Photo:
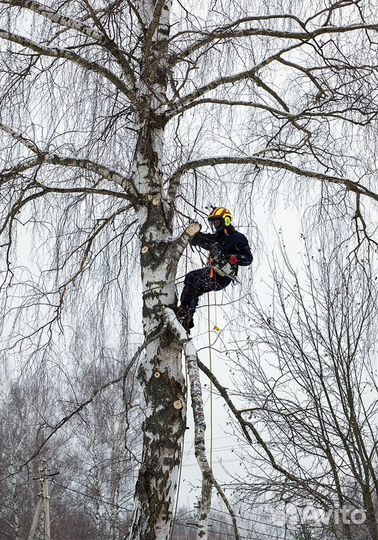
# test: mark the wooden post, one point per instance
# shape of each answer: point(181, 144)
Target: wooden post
point(43, 505)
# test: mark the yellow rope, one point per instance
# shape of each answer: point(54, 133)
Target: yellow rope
point(211, 384)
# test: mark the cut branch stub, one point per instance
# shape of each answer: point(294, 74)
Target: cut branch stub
point(193, 229)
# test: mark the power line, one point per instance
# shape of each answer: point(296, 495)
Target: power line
point(94, 497)
point(223, 533)
point(233, 460)
point(245, 528)
point(218, 448)
point(177, 522)
point(246, 519)
point(262, 522)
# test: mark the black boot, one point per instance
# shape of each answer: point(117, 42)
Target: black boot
point(188, 323)
point(184, 316)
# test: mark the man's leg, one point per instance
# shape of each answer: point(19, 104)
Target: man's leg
point(189, 297)
point(197, 283)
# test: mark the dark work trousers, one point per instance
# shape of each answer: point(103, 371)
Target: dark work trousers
point(199, 282)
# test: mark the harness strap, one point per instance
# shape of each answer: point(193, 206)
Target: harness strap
point(210, 262)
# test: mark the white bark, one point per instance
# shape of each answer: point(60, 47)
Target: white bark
point(115, 483)
point(164, 389)
point(97, 488)
point(48, 13)
point(208, 479)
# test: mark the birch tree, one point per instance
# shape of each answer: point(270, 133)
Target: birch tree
point(116, 119)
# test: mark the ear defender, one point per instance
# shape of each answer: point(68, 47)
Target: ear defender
point(227, 221)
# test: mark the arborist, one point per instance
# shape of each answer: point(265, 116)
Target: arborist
point(228, 249)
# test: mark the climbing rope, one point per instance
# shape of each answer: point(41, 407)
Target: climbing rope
point(183, 440)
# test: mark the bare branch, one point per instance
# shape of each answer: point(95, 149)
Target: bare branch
point(95, 392)
point(66, 54)
point(180, 243)
point(85, 164)
point(303, 37)
point(247, 426)
point(112, 47)
point(29, 144)
point(350, 185)
point(55, 17)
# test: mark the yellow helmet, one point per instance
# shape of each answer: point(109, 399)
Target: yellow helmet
point(221, 213)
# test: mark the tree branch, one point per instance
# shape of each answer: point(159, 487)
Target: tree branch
point(179, 244)
point(247, 427)
point(278, 113)
point(65, 54)
point(95, 392)
point(112, 47)
point(28, 143)
point(55, 17)
point(304, 36)
point(350, 185)
point(232, 79)
point(85, 164)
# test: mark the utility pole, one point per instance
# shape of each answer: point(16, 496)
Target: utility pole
point(43, 505)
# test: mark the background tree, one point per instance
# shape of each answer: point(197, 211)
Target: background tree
point(111, 132)
point(94, 453)
point(310, 384)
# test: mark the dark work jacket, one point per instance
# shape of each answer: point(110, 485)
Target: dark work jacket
point(222, 245)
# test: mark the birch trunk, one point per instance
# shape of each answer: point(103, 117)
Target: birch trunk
point(161, 378)
point(208, 479)
point(160, 373)
point(97, 493)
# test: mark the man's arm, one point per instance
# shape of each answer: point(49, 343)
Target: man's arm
point(203, 240)
point(242, 254)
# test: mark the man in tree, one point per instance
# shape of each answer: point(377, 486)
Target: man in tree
point(228, 248)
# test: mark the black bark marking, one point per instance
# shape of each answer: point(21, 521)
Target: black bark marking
point(163, 429)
